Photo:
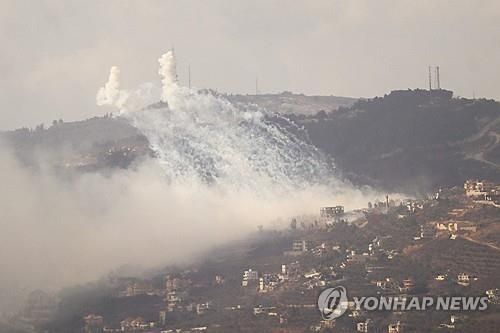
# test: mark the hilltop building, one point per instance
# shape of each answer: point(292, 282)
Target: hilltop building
point(249, 276)
point(93, 324)
point(332, 214)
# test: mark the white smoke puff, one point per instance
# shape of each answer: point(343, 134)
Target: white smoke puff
point(111, 94)
point(168, 73)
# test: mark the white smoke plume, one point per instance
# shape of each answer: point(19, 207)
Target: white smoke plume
point(219, 171)
point(111, 94)
point(60, 232)
point(168, 73)
point(203, 140)
point(200, 138)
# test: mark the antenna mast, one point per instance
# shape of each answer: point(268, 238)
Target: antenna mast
point(430, 79)
point(437, 77)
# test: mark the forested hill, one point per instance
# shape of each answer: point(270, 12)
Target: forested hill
point(408, 140)
point(412, 140)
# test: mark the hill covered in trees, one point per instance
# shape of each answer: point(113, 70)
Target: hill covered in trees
point(408, 140)
point(411, 140)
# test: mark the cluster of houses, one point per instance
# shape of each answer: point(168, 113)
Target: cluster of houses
point(175, 293)
point(483, 191)
point(296, 273)
point(493, 296)
point(454, 225)
point(267, 282)
point(463, 279)
point(95, 324)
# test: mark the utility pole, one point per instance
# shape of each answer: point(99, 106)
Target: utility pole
point(173, 55)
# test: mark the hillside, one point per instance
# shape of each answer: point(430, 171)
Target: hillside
point(410, 141)
point(461, 254)
point(290, 103)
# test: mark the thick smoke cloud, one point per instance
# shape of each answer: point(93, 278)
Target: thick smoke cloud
point(202, 137)
point(111, 94)
point(58, 232)
point(168, 73)
point(220, 170)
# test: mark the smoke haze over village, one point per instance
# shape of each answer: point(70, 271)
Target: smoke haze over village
point(236, 166)
point(75, 228)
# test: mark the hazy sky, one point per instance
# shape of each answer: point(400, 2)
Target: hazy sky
point(56, 54)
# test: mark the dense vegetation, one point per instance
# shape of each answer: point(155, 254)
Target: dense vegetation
point(410, 140)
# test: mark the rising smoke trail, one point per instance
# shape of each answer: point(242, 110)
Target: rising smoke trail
point(220, 170)
point(111, 94)
point(203, 138)
point(228, 168)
